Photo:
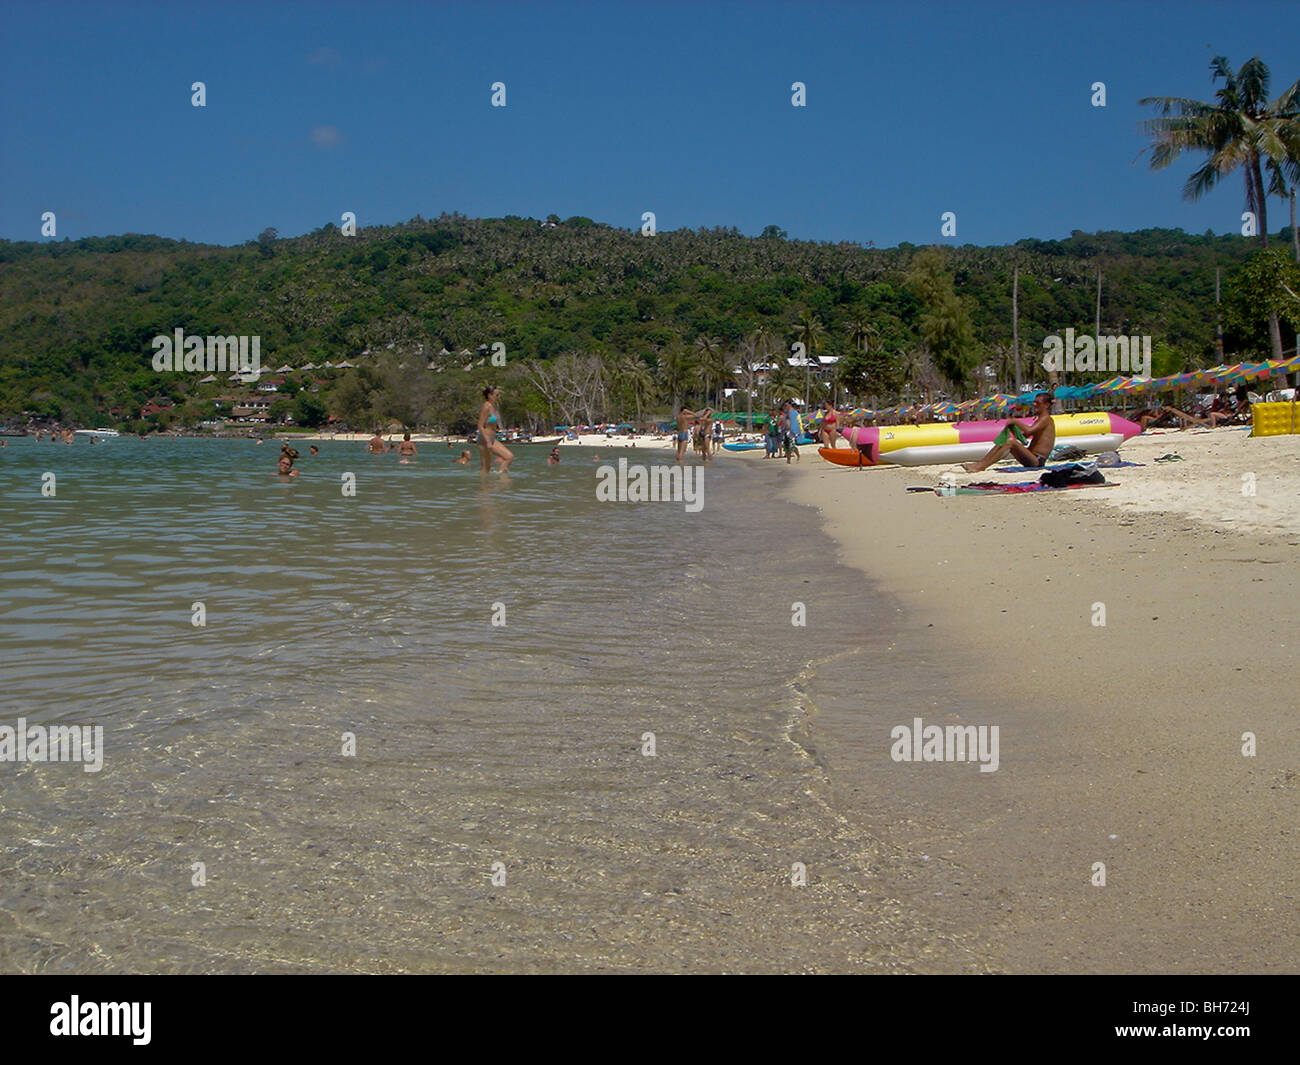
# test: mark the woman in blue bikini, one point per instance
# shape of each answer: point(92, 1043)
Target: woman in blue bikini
point(488, 421)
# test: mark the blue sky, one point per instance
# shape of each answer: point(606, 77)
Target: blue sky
point(613, 109)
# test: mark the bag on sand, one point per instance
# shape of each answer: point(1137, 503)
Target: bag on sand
point(1069, 475)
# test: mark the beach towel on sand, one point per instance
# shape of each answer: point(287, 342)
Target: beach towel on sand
point(992, 488)
point(1039, 469)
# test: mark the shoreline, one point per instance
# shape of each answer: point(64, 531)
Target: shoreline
point(584, 440)
point(1117, 746)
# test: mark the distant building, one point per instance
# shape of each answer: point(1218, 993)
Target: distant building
point(244, 408)
point(156, 406)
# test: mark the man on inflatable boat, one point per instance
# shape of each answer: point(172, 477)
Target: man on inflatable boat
point(1042, 436)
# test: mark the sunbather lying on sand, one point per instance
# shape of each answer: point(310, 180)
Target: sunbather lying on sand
point(1168, 415)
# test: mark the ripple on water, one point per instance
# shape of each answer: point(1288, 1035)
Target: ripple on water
point(475, 742)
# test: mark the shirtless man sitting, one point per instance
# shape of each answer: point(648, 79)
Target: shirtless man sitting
point(1042, 436)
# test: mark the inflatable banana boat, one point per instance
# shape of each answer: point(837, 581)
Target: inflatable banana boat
point(939, 442)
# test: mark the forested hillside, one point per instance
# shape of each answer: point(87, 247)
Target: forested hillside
point(664, 316)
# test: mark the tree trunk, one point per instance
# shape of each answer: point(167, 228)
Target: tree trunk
point(1255, 187)
point(1295, 234)
point(1015, 327)
point(1218, 312)
point(1097, 333)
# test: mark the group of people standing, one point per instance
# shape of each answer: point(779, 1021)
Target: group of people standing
point(703, 428)
point(784, 431)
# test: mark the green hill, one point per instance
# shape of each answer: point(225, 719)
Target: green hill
point(77, 317)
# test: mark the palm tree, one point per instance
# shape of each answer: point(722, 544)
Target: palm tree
point(631, 374)
point(861, 333)
point(1242, 130)
point(746, 359)
point(919, 370)
point(808, 330)
point(783, 382)
point(676, 368)
point(711, 366)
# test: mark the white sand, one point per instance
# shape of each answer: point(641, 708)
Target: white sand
point(1123, 743)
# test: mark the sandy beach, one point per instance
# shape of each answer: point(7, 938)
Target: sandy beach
point(1122, 743)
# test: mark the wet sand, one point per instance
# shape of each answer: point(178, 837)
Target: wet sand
point(1120, 744)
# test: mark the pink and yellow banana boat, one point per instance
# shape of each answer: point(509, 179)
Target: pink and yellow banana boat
point(942, 442)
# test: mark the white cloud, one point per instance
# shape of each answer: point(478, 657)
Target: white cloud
point(326, 136)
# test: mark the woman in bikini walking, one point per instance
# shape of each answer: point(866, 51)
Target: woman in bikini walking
point(830, 420)
point(488, 421)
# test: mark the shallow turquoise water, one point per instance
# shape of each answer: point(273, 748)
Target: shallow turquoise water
point(520, 744)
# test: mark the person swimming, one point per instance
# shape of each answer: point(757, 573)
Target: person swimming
point(488, 422)
point(284, 468)
point(376, 445)
point(553, 459)
point(406, 449)
point(463, 460)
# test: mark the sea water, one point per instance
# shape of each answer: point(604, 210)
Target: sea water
point(451, 722)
